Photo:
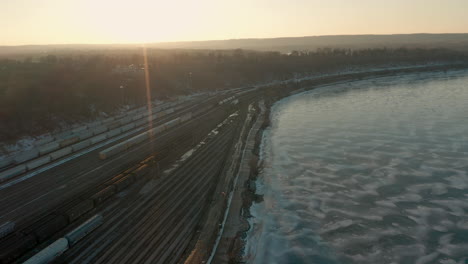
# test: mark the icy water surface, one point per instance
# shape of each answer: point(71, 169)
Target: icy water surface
point(366, 172)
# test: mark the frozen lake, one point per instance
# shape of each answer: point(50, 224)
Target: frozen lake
point(366, 172)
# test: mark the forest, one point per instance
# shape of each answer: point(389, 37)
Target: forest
point(48, 91)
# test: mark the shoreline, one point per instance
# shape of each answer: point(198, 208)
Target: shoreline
point(236, 251)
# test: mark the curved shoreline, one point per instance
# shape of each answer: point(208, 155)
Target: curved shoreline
point(250, 194)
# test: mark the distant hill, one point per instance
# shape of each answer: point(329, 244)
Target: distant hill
point(450, 41)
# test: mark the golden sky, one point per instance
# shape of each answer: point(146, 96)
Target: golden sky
point(136, 21)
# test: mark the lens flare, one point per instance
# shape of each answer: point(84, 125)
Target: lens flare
point(148, 96)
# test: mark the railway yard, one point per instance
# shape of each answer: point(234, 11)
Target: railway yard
point(147, 187)
point(87, 206)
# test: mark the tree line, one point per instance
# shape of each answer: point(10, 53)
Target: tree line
point(45, 92)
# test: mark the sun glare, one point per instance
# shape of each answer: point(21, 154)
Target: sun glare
point(138, 21)
point(142, 21)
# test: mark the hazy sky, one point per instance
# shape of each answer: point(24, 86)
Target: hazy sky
point(132, 21)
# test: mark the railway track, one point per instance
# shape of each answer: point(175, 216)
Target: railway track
point(24, 200)
point(43, 200)
point(85, 184)
point(154, 227)
point(157, 227)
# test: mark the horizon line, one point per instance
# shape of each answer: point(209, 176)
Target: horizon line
point(231, 39)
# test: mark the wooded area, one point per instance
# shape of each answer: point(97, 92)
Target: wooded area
point(42, 93)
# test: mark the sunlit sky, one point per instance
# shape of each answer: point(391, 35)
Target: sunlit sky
point(135, 21)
